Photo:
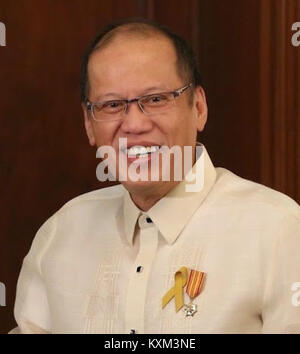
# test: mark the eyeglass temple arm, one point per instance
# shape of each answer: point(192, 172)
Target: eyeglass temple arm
point(180, 91)
point(88, 105)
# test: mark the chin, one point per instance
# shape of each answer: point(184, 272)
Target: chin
point(140, 186)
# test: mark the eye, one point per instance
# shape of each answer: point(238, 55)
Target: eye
point(155, 100)
point(112, 106)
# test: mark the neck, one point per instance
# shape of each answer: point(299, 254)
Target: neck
point(151, 196)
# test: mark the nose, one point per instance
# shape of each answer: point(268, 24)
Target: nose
point(135, 121)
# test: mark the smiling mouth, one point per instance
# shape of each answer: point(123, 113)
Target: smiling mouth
point(140, 151)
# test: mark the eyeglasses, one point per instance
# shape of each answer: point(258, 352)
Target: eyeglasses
point(149, 104)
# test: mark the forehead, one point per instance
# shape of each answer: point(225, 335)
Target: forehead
point(132, 58)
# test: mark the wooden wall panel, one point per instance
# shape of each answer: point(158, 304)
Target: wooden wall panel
point(279, 93)
point(229, 60)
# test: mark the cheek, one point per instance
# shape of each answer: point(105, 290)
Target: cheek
point(184, 128)
point(105, 133)
point(176, 128)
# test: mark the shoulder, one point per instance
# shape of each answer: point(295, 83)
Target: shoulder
point(108, 196)
point(99, 205)
point(91, 206)
point(263, 219)
point(100, 202)
point(254, 197)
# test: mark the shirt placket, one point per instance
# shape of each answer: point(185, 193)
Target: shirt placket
point(140, 272)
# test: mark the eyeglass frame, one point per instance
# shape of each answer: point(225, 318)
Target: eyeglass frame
point(175, 93)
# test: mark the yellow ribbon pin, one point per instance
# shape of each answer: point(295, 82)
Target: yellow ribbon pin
point(177, 290)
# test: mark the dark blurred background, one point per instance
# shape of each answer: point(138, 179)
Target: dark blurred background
point(251, 76)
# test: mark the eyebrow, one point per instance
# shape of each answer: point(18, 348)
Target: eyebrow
point(143, 93)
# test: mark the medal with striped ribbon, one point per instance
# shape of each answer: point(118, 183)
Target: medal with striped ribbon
point(193, 288)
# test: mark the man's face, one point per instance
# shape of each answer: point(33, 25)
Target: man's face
point(130, 67)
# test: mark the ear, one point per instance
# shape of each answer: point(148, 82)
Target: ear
point(88, 125)
point(200, 107)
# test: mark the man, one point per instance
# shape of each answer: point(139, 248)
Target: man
point(152, 255)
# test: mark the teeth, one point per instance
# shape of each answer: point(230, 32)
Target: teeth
point(141, 150)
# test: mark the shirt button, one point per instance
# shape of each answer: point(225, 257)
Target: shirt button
point(145, 221)
point(139, 269)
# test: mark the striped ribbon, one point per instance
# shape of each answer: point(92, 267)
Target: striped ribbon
point(194, 283)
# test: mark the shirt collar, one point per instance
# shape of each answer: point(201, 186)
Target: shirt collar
point(171, 213)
